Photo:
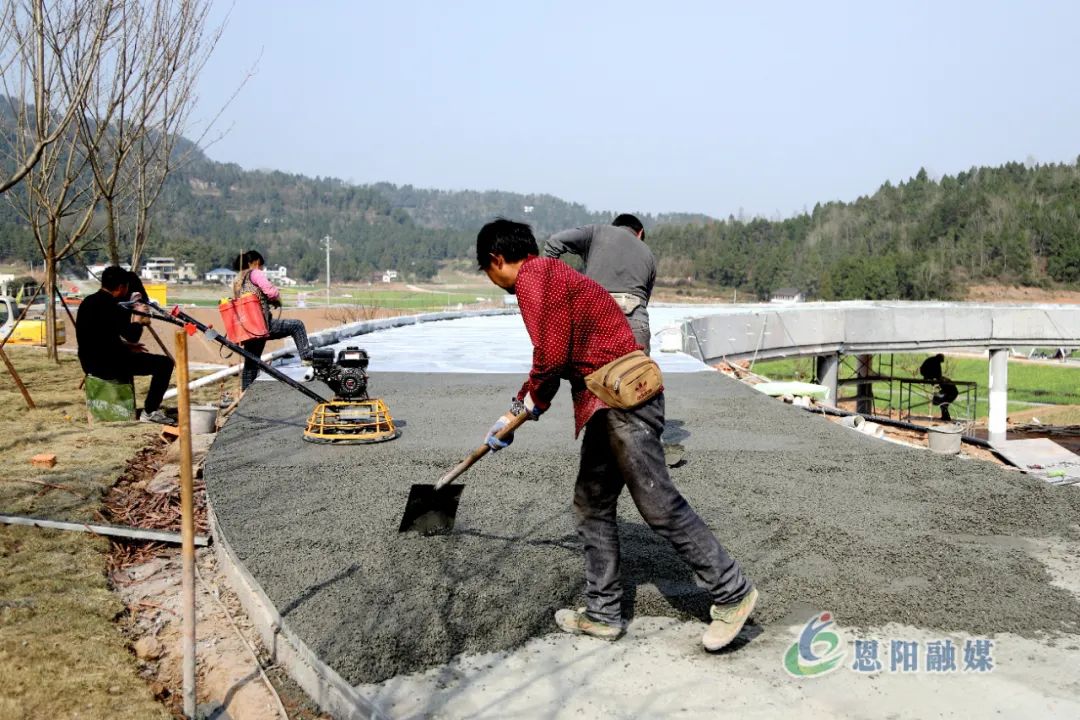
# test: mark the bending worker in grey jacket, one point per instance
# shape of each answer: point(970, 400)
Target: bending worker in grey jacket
point(617, 257)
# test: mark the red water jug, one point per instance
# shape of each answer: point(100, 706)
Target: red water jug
point(243, 318)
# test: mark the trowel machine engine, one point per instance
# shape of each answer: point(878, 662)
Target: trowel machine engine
point(351, 417)
point(344, 372)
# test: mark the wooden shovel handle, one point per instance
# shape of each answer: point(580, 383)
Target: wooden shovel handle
point(481, 451)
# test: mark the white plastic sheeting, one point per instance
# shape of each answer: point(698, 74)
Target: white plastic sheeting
point(497, 344)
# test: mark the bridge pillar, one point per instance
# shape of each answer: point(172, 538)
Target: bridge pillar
point(828, 367)
point(999, 393)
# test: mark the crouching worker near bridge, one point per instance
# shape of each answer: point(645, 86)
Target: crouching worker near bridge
point(109, 347)
point(576, 328)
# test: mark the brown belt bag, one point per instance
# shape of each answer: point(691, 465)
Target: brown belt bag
point(626, 382)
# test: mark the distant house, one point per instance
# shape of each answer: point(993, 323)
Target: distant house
point(159, 269)
point(93, 272)
point(221, 275)
point(528, 208)
point(186, 272)
point(279, 276)
point(389, 276)
point(787, 296)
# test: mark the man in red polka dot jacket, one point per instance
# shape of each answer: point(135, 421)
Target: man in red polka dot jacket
point(576, 328)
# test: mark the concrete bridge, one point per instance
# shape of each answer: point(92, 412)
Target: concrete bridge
point(828, 330)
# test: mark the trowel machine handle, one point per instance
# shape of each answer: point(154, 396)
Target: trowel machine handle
point(518, 420)
point(178, 317)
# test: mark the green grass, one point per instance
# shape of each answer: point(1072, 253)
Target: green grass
point(368, 297)
point(1029, 384)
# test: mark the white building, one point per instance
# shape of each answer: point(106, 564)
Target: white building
point(279, 276)
point(225, 276)
point(787, 296)
point(159, 269)
point(93, 272)
point(390, 276)
point(187, 272)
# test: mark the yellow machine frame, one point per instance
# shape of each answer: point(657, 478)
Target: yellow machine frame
point(349, 422)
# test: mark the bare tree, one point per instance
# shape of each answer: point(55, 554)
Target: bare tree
point(134, 118)
point(120, 76)
point(57, 196)
point(30, 39)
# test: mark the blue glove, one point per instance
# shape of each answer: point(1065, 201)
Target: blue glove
point(495, 443)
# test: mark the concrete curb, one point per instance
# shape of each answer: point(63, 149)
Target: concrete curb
point(321, 682)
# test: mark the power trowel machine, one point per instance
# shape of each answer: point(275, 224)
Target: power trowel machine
point(351, 417)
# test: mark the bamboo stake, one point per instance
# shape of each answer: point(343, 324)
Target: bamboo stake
point(187, 527)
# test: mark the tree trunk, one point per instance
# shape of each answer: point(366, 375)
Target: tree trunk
point(50, 306)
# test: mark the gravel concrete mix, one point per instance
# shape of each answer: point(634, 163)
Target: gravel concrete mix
point(817, 514)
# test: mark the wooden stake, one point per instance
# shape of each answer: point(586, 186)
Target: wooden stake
point(187, 526)
point(18, 380)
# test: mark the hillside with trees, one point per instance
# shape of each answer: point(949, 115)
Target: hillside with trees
point(920, 239)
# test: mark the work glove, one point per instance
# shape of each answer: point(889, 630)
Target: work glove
point(516, 408)
point(495, 443)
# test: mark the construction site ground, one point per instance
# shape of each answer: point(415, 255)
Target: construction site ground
point(895, 542)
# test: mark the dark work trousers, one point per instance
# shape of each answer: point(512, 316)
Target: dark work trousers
point(639, 325)
point(622, 448)
point(279, 328)
point(158, 367)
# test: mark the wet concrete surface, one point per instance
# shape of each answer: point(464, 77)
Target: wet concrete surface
point(817, 515)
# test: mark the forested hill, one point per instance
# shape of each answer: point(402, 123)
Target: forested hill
point(210, 211)
point(920, 239)
point(469, 209)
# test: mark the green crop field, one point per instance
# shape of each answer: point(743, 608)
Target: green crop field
point(345, 295)
point(1030, 383)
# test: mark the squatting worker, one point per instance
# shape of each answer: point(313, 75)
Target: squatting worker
point(109, 347)
point(617, 257)
point(576, 327)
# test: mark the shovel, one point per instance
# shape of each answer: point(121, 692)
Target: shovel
point(430, 509)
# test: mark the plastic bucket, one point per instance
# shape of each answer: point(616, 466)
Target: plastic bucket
point(243, 318)
point(945, 439)
point(203, 419)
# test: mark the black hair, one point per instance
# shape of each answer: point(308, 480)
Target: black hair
point(243, 260)
point(113, 277)
point(627, 220)
point(513, 240)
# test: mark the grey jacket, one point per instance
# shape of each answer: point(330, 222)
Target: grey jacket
point(614, 257)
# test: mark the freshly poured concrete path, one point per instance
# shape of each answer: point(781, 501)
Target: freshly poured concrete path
point(820, 517)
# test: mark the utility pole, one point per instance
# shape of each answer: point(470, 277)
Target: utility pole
point(326, 243)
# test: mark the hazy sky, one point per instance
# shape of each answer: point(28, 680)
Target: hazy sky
point(694, 106)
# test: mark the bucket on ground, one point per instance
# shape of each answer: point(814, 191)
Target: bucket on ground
point(945, 439)
point(203, 419)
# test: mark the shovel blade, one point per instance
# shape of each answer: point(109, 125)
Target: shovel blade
point(429, 511)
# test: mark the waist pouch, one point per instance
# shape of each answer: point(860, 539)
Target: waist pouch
point(626, 382)
point(627, 302)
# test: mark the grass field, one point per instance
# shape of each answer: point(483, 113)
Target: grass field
point(1030, 384)
point(61, 655)
point(367, 296)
